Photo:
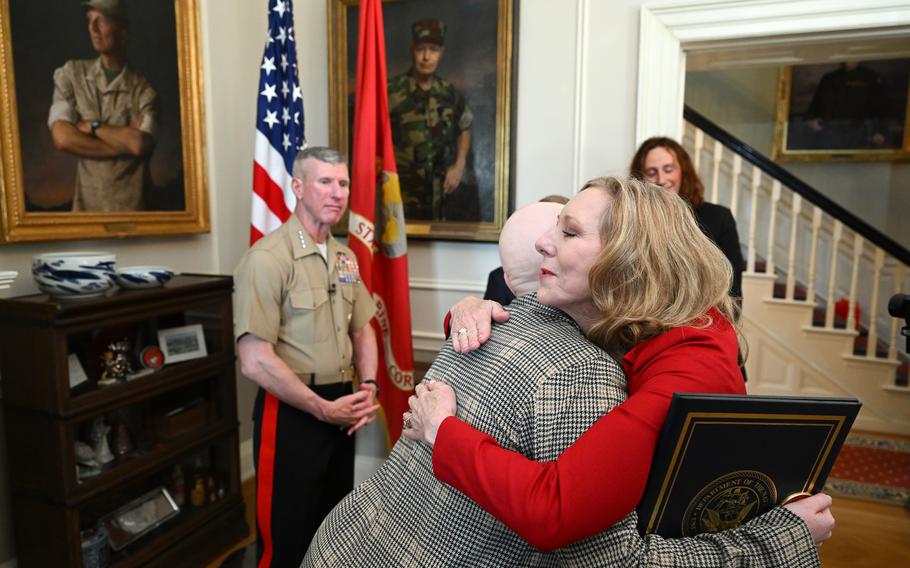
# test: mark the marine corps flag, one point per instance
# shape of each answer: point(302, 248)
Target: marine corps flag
point(376, 230)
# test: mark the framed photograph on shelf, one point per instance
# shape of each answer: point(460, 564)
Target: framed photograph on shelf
point(451, 85)
point(852, 110)
point(77, 374)
point(138, 517)
point(152, 177)
point(182, 343)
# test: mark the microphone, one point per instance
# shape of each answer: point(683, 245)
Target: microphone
point(332, 289)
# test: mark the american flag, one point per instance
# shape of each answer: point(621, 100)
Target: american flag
point(279, 124)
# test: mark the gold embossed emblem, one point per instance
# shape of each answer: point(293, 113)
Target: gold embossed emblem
point(729, 501)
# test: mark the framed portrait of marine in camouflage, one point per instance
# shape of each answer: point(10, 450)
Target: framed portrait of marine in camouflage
point(450, 86)
point(102, 119)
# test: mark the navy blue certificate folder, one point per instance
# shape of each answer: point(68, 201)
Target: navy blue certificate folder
point(723, 460)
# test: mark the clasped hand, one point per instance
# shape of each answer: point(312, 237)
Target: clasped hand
point(431, 403)
point(355, 410)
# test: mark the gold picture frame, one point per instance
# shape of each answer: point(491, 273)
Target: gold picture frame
point(180, 147)
point(847, 111)
point(479, 61)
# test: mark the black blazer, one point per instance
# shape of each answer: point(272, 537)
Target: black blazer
point(497, 289)
point(717, 223)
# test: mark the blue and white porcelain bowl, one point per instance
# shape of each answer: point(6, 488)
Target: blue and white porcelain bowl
point(74, 274)
point(143, 276)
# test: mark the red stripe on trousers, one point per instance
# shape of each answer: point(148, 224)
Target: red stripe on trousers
point(265, 475)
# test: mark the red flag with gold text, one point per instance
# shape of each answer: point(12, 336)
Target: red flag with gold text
point(376, 226)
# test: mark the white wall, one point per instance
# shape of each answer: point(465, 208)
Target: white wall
point(576, 90)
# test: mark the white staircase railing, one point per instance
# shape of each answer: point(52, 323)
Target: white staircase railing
point(817, 255)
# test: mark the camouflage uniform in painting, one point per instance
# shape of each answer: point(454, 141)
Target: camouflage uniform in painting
point(425, 130)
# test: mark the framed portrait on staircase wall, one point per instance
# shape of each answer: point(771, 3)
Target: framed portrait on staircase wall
point(850, 110)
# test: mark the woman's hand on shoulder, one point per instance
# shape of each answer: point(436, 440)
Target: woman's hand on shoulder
point(431, 403)
point(471, 322)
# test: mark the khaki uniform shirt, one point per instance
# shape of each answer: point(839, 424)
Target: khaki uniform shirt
point(288, 295)
point(81, 92)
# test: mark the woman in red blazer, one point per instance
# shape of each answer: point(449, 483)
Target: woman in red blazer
point(650, 290)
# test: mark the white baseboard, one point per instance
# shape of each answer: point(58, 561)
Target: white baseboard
point(426, 344)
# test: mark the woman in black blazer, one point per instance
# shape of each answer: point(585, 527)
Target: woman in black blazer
point(662, 161)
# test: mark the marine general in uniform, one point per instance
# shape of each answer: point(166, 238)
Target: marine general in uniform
point(106, 114)
point(431, 132)
point(302, 317)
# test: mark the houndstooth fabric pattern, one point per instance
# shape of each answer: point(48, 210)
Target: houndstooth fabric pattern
point(535, 386)
point(774, 540)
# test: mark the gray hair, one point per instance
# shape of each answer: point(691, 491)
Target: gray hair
point(321, 153)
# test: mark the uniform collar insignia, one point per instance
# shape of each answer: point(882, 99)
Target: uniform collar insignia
point(299, 240)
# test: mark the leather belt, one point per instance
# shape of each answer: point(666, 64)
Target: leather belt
point(345, 375)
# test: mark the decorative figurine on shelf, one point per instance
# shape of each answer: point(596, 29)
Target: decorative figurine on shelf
point(98, 436)
point(95, 551)
point(116, 363)
point(197, 496)
point(86, 466)
point(107, 362)
point(123, 444)
point(178, 485)
point(212, 490)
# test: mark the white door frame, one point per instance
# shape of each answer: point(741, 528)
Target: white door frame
point(668, 30)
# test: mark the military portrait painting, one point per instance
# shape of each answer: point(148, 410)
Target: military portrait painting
point(450, 83)
point(99, 119)
point(852, 109)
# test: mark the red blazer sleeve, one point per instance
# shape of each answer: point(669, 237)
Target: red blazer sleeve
point(600, 478)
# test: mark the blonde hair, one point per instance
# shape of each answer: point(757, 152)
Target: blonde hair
point(657, 270)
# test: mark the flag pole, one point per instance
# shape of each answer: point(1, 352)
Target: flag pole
point(377, 226)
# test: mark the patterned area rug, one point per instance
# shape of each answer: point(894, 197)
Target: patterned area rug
point(873, 468)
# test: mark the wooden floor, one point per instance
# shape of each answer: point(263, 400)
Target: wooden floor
point(867, 534)
point(249, 498)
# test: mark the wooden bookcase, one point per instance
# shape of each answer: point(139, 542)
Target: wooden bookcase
point(52, 501)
